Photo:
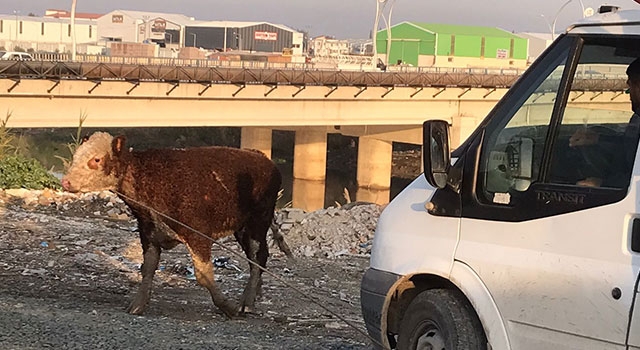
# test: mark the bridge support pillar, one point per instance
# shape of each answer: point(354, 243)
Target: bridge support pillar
point(374, 170)
point(309, 168)
point(462, 127)
point(256, 138)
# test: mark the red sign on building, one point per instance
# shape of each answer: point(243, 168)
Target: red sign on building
point(271, 36)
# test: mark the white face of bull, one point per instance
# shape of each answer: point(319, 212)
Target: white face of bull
point(91, 167)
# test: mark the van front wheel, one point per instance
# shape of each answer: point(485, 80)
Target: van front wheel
point(438, 319)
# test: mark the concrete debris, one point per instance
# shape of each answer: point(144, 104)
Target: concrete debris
point(331, 232)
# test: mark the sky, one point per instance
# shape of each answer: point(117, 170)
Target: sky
point(346, 19)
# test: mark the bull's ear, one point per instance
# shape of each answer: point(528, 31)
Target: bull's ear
point(84, 139)
point(118, 145)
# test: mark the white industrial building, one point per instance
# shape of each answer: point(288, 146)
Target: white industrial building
point(538, 42)
point(94, 33)
point(324, 46)
point(46, 34)
point(175, 31)
point(140, 26)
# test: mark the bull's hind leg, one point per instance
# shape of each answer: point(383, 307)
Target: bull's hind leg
point(203, 268)
point(151, 256)
point(254, 243)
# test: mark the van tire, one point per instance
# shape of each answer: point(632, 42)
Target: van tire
point(440, 319)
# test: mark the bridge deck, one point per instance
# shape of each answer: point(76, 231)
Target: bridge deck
point(138, 72)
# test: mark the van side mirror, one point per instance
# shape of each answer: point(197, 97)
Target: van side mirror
point(436, 156)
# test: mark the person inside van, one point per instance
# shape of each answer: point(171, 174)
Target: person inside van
point(607, 159)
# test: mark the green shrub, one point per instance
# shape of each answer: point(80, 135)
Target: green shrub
point(19, 172)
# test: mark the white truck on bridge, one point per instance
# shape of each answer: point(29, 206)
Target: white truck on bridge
point(528, 235)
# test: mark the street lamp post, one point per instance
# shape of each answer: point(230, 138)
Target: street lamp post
point(388, 23)
point(553, 26)
point(374, 33)
point(73, 30)
point(16, 14)
point(194, 39)
point(547, 22)
point(238, 40)
point(380, 5)
point(224, 45)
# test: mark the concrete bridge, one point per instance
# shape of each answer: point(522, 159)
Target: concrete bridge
point(377, 107)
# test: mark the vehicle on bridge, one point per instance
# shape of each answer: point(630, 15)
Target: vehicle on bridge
point(527, 236)
point(15, 56)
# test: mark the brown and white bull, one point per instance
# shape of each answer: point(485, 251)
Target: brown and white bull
point(217, 191)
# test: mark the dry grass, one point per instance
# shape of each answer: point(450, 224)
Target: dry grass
point(74, 144)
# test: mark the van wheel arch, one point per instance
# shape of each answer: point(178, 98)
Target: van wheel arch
point(408, 290)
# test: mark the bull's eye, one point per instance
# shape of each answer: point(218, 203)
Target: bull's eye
point(93, 163)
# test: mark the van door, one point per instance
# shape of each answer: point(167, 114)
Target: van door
point(546, 215)
point(633, 335)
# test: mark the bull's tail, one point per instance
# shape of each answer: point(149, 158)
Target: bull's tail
point(278, 238)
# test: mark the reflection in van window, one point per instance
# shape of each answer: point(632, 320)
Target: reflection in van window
point(512, 156)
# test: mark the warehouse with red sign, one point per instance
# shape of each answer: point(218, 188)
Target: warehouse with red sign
point(179, 31)
point(243, 36)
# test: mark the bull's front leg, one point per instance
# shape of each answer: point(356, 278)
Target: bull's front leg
point(203, 268)
point(151, 258)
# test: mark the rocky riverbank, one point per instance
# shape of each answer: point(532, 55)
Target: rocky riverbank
point(69, 266)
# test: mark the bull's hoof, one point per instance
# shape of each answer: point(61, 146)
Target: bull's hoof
point(230, 310)
point(249, 310)
point(136, 308)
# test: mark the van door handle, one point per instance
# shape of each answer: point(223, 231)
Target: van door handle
point(635, 235)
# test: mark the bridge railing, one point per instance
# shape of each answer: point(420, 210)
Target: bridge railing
point(441, 70)
point(349, 63)
point(168, 61)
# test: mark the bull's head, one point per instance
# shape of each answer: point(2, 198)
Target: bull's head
point(94, 164)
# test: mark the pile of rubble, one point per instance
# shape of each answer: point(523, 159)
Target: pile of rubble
point(328, 233)
point(331, 232)
point(96, 204)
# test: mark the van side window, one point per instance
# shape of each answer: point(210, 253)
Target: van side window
point(595, 146)
point(512, 153)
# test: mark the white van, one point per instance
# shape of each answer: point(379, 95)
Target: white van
point(524, 237)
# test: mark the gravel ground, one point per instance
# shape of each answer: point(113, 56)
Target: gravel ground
point(69, 267)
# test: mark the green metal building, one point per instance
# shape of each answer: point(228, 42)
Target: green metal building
point(446, 45)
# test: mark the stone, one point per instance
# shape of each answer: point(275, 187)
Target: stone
point(122, 217)
point(48, 193)
point(18, 192)
point(333, 325)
